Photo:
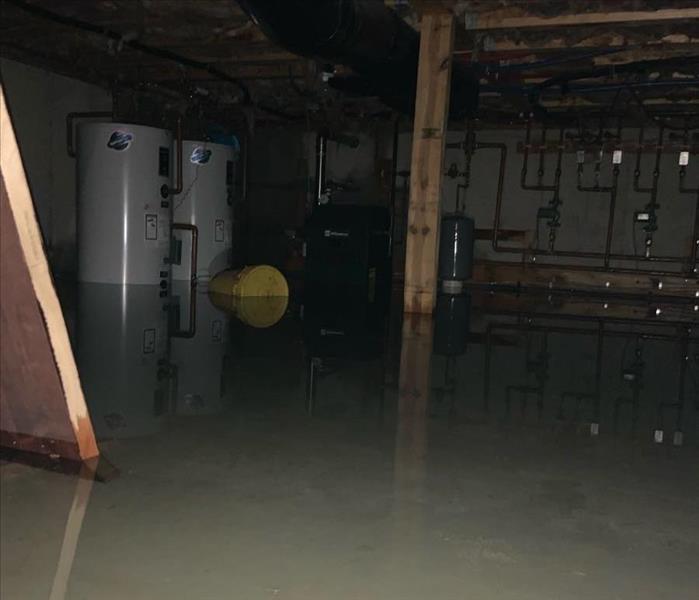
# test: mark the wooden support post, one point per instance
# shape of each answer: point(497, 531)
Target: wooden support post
point(411, 446)
point(429, 133)
point(413, 402)
point(415, 361)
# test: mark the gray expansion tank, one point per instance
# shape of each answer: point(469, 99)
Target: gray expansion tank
point(456, 248)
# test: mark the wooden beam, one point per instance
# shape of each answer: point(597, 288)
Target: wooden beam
point(653, 311)
point(429, 133)
point(644, 39)
point(508, 19)
point(523, 48)
point(562, 279)
point(29, 264)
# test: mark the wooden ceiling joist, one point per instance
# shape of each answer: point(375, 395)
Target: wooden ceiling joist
point(509, 19)
point(218, 34)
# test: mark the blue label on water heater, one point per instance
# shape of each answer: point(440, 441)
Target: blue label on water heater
point(120, 140)
point(200, 155)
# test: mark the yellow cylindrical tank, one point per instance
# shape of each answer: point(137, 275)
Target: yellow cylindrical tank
point(257, 295)
point(260, 281)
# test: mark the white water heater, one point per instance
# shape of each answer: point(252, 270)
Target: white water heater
point(199, 358)
point(121, 352)
point(206, 202)
point(124, 213)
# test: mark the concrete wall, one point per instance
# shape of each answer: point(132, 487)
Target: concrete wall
point(583, 214)
point(39, 101)
point(277, 191)
point(282, 184)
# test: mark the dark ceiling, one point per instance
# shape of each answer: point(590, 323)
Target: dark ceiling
point(557, 55)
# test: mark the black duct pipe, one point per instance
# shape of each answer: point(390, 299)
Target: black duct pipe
point(368, 37)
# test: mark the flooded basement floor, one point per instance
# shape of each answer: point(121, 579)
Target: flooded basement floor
point(509, 449)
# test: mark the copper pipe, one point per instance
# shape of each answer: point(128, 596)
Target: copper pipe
point(501, 186)
point(607, 256)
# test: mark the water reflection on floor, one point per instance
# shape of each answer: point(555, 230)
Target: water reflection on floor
point(508, 448)
point(518, 361)
point(145, 358)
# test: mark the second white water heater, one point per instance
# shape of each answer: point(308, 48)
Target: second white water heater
point(206, 202)
point(124, 172)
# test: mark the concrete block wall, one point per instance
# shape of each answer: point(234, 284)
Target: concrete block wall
point(583, 214)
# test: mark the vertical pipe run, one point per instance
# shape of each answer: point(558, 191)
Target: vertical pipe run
point(612, 201)
point(321, 162)
point(652, 205)
point(684, 358)
point(598, 371)
point(180, 180)
point(694, 241)
point(611, 217)
point(501, 187)
point(612, 190)
point(607, 255)
point(246, 169)
point(394, 179)
point(542, 157)
point(525, 163)
point(555, 222)
point(469, 149)
point(525, 159)
point(637, 170)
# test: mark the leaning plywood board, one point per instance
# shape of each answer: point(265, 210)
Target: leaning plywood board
point(42, 407)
